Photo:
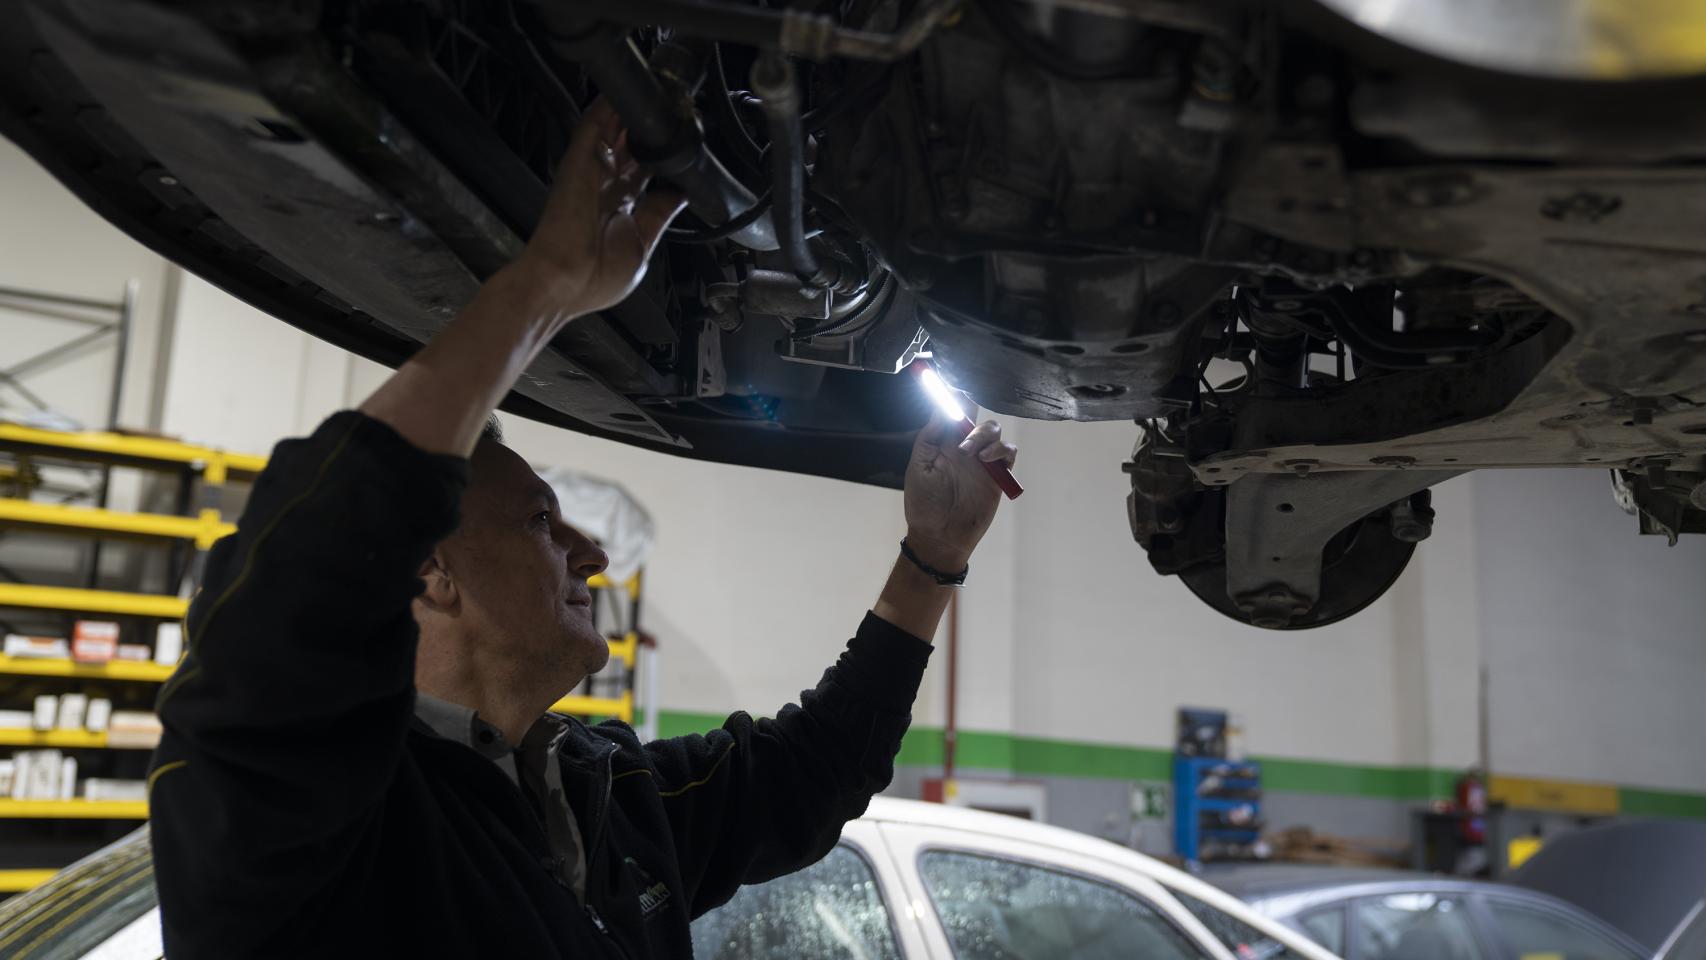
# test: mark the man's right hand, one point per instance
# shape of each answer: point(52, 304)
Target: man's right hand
point(589, 251)
point(601, 222)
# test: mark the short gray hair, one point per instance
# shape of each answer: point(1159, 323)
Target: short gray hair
point(493, 430)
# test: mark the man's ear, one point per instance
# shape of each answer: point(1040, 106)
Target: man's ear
point(440, 595)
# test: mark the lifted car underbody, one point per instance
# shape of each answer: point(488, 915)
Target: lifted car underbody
point(1322, 268)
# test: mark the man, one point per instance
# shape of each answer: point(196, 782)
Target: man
point(357, 757)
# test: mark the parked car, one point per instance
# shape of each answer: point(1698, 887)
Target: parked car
point(909, 881)
point(1395, 915)
point(1376, 244)
point(1647, 878)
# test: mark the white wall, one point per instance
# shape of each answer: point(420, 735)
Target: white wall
point(1595, 637)
point(1108, 651)
point(51, 243)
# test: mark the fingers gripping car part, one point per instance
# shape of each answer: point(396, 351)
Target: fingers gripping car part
point(662, 130)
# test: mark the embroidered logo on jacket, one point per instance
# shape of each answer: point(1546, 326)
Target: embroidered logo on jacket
point(653, 895)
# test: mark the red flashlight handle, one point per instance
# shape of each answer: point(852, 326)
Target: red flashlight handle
point(997, 469)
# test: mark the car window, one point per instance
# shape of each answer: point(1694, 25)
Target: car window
point(103, 903)
point(1533, 934)
point(997, 909)
point(1326, 927)
point(1245, 941)
point(832, 909)
point(1413, 926)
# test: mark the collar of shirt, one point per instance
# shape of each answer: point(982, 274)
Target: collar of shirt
point(540, 777)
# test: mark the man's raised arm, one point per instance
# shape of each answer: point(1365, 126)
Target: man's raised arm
point(760, 798)
point(286, 721)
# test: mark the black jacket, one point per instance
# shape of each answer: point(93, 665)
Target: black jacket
point(297, 811)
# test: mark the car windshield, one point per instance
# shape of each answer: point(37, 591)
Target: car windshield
point(1243, 940)
point(831, 910)
point(83, 906)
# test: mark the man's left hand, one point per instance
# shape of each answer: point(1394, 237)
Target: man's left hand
point(950, 496)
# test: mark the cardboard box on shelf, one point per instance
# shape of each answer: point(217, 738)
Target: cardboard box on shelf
point(100, 714)
point(7, 768)
point(133, 728)
point(39, 648)
point(67, 778)
point(134, 652)
point(94, 641)
point(46, 712)
point(103, 788)
point(73, 707)
point(168, 643)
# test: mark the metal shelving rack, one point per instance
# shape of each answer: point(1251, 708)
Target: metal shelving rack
point(196, 531)
point(624, 650)
point(186, 534)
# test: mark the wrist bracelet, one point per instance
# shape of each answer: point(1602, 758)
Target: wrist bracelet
point(942, 579)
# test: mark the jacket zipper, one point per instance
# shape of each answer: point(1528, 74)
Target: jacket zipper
point(596, 849)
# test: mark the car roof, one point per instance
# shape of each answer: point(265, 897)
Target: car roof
point(1261, 881)
point(926, 814)
point(945, 817)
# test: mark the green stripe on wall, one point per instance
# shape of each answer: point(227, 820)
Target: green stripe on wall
point(1637, 802)
point(1041, 757)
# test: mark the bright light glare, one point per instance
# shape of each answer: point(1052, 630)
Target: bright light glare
point(942, 395)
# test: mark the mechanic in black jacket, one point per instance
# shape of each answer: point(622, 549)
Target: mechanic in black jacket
point(357, 758)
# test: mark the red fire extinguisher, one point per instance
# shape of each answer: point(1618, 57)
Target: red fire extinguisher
point(1472, 802)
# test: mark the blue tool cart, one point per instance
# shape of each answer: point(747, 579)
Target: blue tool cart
point(1217, 808)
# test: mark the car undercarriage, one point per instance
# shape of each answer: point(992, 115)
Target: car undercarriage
point(1322, 260)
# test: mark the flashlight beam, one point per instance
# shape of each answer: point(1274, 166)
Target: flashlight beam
point(947, 400)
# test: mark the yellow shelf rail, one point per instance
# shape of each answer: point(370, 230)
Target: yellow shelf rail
point(17, 881)
point(138, 670)
point(92, 601)
point(204, 529)
point(109, 447)
point(67, 740)
point(74, 809)
point(622, 708)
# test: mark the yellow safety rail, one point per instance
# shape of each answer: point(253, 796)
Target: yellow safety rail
point(74, 809)
point(107, 447)
point(203, 529)
point(139, 670)
point(93, 601)
point(17, 881)
point(65, 739)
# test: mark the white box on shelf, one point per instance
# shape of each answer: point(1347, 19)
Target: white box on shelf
point(38, 648)
point(21, 762)
point(100, 714)
point(168, 644)
point(102, 788)
point(46, 712)
point(44, 775)
point(7, 768)
point(73, 708)
point(17, 720)
point(133, 728)
point(67, 778)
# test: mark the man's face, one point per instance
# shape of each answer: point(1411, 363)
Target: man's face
point(521, 572)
